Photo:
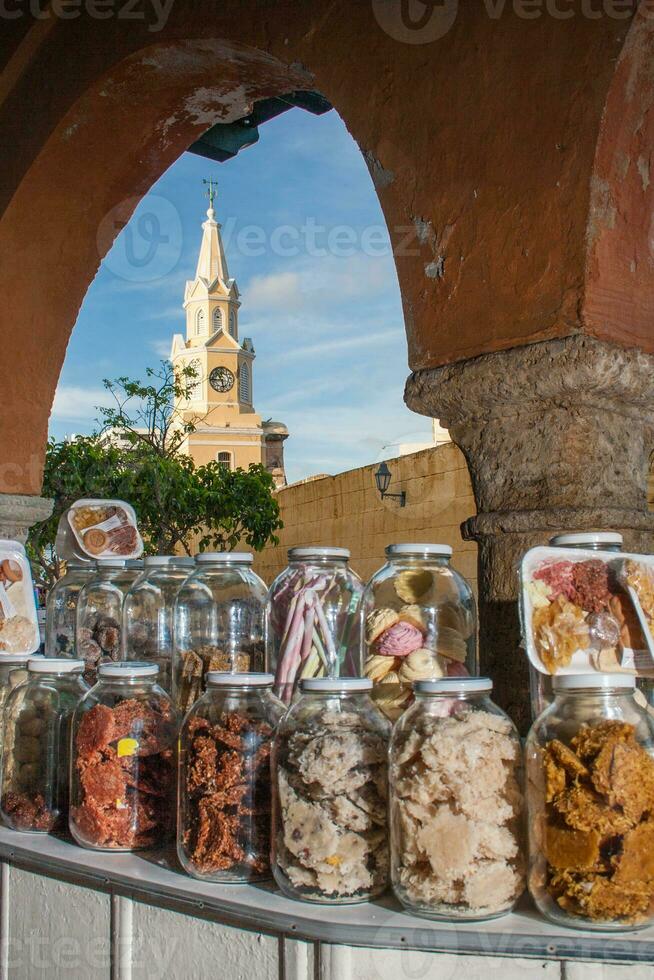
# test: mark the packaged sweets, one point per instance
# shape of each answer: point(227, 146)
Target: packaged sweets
point(61, 608)
point(92, 529)
point(314, 622)
point(591, 804)
point(19, 630)
point(329, 835)
point(123, 761)
point(420, 623)
point(456, 803)
point(223, 826)
point(35, 757)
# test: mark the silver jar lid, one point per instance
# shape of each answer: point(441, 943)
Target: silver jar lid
point(222, 678)
point(595, 682)
point(590, 538)
point(224, 558)
point(454, 685)
point(418, 551)
point(344, 685)
point(128, 669)
point(54, 665)
point(300, 554)
point(167, 561)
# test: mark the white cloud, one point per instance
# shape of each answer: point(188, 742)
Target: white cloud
point(336, 346)
point(279, 289)
point(162, 347)
point(76, 404)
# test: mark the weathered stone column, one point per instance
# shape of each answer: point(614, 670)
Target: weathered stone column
point(557, 436)
point(18, 512)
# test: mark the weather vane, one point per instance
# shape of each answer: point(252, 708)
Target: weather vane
point(211, 193)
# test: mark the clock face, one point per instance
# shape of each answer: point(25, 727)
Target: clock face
point(221, 379)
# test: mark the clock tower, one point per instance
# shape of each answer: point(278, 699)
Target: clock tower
point(221, 402)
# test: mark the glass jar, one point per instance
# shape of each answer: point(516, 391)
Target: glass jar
point(61, 609)
point(13, 671)
point(420, 624)
point(223, 824)
point(100, 614)
point(37, 745)
point(541, 684)
point(456, 803)
point(123, 761)
point(590, 796)
point(330, 776)
point(220, 619)
point(149, 612)
point(314, 619)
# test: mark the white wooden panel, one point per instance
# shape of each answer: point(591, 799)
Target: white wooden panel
point(56, 930)
point(608, 971)
point(168, 946)
point(297, 960)
point(411, 964)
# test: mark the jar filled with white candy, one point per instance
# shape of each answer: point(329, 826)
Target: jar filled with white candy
point(420, 623)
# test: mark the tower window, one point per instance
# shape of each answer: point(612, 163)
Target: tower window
point(199, 322)
point(217, 318)
point(232, 323)
point(245, 393)
point(225, 459)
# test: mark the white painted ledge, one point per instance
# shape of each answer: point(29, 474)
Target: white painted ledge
point(149, 878)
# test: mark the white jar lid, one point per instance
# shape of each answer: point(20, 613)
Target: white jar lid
point(225, 558)
point(129, 668)
point(222, 678)
point(297, 554)
point(454, 685)
point(111, 563)
point(595, 682)
point(421, 550)
point(161, 561)
point(9, 659)
point(334, 684)
point(54, 665)
point(586, 537)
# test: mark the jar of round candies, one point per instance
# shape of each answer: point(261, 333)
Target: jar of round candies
point(100, 614)
point(330, 772)
point(420, 623)
point(122, 773)
point(36, 745)
point(314, 619)
point(220, 619)
point(590, 796)
point(223, 824)
point(61, 609)
point(149, 612)
point(456, 803)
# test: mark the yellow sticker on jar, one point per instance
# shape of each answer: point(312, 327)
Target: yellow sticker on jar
point(127, 746)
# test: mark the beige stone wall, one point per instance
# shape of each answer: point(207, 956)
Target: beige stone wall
point(346, 511)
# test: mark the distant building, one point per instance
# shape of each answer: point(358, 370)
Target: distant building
point(439, 437)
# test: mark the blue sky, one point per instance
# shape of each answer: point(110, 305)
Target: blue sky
point(305, 239)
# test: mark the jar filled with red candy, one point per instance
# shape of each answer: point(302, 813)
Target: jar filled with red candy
point(123, 761)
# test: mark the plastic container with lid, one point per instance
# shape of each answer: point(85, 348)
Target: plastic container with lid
point(93, 528)
point(220, 623)
point(420, 623)
point(61, 609)
point(100, 613)
point(330, 771)
point(19, 628)
point(223, 823)
point(149, 612)
point(123, 763)
point(590, 796)
point(314, 619)
point(457, 850)
point(36, 744)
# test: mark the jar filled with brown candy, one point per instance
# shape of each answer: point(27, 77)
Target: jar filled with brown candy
point(456, 803)
point(590, 796)
point(123, 761)
point(224, 798)
point(100, 613)
point(330, 777)
point(61, 609)
point(35, 758)
point(220, 623)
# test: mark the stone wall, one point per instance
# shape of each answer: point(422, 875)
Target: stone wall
point(346, 511)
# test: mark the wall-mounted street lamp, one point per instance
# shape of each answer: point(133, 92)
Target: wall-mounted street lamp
point(383, 481)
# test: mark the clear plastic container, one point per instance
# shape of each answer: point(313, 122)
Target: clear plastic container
point(220, 619)
point(314, 619)
point(149, 613)
point(61, 609)
point(590, 796)
point(224, 797)
point(122, 774)
point(420, 624)
point(100, 613)
point(19, 626)
point(456, 803)
point(37, 745)
point(330, 788)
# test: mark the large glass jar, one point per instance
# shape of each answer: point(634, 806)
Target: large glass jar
point(330, 778)
point(36, 745)
point(590, 795)
point(13, 671)
point(61, 609)
point(149, 613)
point(220, 620)
point(420, 624)
point(224, 796)
point(314, 619)
point(122, 773)
point(100, 614)
point(456, 803)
